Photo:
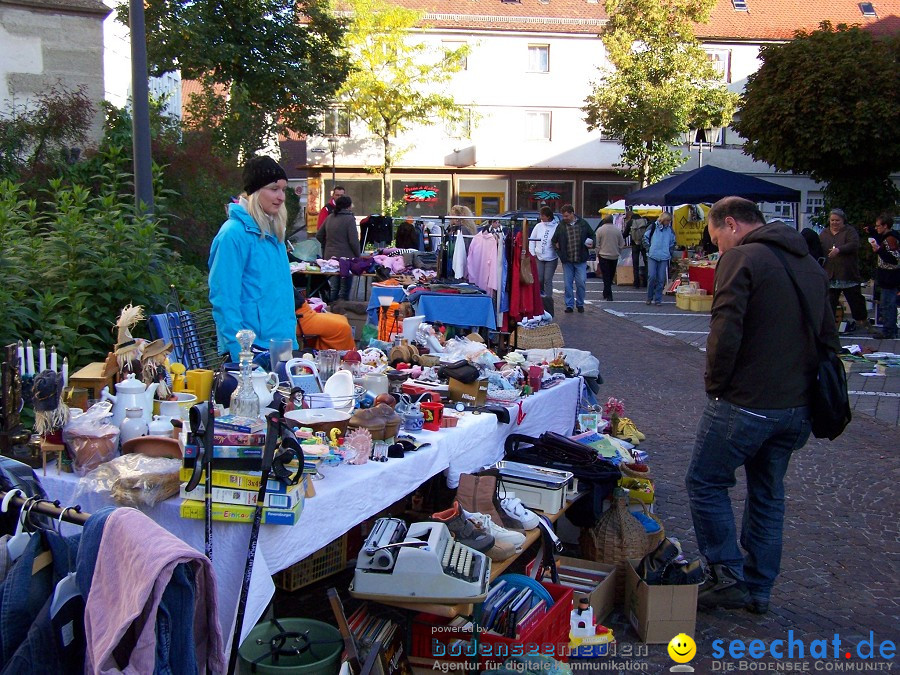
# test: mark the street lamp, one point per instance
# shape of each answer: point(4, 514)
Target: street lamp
point(333, 146)
point(700, 137)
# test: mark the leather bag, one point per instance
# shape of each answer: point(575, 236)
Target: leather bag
point(463, 371)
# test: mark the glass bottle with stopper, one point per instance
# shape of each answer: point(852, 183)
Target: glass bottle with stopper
point(245, 400)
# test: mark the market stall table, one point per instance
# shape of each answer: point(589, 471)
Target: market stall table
point(457, 309)
point(347, 496)
point(704, 275)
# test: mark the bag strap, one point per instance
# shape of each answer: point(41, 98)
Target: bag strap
point(804, 304)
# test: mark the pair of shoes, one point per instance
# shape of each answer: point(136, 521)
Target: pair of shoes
point(581, 309)
point(464, 530)
point(516, 511)
point(722, 589)
point(851, 327)
point(569, 310)
point(654, 564)
point(657, 302)
point(757, 606)
point(626, 430)
point(500, 534)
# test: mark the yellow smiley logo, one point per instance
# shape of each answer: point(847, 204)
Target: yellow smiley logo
point(682, 648)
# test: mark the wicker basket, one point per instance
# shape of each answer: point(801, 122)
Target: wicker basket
point(542, 337)
point(615, 538)
point(323, 563)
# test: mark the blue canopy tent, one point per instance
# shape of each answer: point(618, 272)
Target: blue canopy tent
point(709, 184)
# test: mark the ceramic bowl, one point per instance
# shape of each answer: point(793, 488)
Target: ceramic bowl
point(320, 419)
point(184, 401)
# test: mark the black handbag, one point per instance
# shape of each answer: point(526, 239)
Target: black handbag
point(462, 371)
point(828, 398)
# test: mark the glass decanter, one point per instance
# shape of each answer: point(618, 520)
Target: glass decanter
point(245, 401)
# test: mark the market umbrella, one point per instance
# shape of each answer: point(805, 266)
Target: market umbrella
point(645, 210)
point(709, 184)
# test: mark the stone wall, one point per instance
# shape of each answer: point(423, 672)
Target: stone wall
point(45, 42)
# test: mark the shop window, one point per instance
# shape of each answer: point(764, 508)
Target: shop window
point(425, 197)
point(597, 194)
point(538, 58)
point(815, 202)
point(533, 194)
point(537, 125)
point(336, 122)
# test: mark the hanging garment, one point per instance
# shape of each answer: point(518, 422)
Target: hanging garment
point(459, 257)
point(482, 262)
point(163, 601)
point(525, 299)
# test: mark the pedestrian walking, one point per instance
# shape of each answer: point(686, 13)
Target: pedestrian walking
point(610, 244)
point(659, 240)
point(572, 239)
point(635, 227)
point(840, 243)
point(540, 244)
point(761, 359)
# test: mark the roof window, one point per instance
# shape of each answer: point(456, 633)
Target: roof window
point(740, 5)
point(867, 9)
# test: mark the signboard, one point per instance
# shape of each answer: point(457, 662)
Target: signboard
point(688, 222)
point(314, 203)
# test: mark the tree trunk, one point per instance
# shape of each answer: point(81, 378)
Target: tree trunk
point(386, 176)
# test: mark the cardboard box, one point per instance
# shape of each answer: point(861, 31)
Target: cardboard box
point(624, 275)
point(602, 598)
point(474, 393)
point(659, 613)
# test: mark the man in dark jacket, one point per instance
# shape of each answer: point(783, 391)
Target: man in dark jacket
point(572, 239)
point(885, 243)
point(760, 362)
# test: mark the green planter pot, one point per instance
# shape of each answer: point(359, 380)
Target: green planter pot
point(319, 646)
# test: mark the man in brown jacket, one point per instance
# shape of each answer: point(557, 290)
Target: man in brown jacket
point(760, 362)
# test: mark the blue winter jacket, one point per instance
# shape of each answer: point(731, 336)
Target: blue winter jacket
point(662, 244)
point(250, 284)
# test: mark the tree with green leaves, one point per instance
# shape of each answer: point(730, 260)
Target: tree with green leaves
point(264, 65)
point(825, 104)
point(661, 83)
point(398, 81)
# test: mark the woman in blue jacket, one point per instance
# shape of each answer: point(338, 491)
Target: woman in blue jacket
point(249, 275)
point(659, 242)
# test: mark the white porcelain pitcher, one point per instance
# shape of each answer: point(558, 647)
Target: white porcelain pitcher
point(264, 384)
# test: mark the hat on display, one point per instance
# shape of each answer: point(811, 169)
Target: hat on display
point(260, 171)
point(128, 319)
point(156, 348)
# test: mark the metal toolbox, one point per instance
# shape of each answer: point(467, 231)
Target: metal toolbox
point(538, 487)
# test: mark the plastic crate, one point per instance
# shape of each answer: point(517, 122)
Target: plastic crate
point(328, 560)
point(548, 636)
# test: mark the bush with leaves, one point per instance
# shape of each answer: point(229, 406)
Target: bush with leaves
point(69, 267)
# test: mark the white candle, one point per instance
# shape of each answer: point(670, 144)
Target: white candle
point(65, 372)
point(29, 353)
point(53, 358)
point(42, 357)
point(21, 353)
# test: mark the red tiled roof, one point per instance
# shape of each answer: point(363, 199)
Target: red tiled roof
point(763, 20)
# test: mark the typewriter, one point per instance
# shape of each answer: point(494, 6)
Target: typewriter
point(422, 563)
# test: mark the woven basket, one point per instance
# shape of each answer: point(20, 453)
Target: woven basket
point(631, 473)
point(615, 538)
point(542, 337)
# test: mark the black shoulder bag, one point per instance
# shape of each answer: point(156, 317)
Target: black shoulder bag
point(828, 398)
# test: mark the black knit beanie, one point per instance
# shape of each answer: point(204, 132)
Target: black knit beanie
point(260, 171)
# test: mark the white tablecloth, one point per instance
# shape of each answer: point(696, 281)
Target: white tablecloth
point(347, 496)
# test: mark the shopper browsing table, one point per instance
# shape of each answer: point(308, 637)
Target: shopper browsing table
point(249, 275)
point(760, 361)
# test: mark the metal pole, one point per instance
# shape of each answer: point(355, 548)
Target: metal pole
point(333, 168)
point(700, 154)
point(140, 114)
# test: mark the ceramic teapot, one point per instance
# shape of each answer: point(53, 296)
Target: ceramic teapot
point(130, 393)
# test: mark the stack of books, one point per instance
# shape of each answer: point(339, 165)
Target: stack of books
point(511, 610)
point(235, 487)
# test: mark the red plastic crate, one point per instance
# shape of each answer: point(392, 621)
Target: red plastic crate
point(548, 636)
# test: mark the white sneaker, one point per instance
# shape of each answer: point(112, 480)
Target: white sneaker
point(513, 507)
point(500, 534)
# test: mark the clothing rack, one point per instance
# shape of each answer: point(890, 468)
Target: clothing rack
point(51, 509)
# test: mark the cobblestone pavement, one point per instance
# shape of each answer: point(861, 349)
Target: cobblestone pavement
point(841, 546)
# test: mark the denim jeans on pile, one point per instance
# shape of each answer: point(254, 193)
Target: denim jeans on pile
point(576, 272)
point(656, 278)
point(762, 441)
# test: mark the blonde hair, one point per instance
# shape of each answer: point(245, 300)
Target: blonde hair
point(462, 210)
point(665, 217)
point(275, 225)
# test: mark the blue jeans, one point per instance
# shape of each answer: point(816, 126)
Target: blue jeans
point(578, 273)
point(656, 278)
point(888, 311)
point(762, 441)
